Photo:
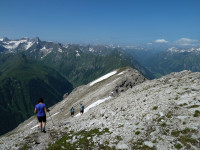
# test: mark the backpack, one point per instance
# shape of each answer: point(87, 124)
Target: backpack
point(82, 108)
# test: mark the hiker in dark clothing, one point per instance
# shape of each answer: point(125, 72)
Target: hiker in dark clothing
point(41, 110)
point(81, 109)
point(72, 112)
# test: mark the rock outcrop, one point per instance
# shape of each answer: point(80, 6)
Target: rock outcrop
point(126, 112)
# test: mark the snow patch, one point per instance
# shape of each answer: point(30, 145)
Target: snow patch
point(121, 73)
point(66, 46)
point(103, 78)
point(29, 123)
point(91, 49)
point(60, 50)
point(94, 105)
point(77, 53)
point(29, 44)
point(1, 39)
point(35, 127)
point(43, 48)
point(45, 51)
point(53, 115)
point(13, 44)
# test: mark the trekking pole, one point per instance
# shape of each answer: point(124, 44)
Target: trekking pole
point(51, 118)
point(37, 121)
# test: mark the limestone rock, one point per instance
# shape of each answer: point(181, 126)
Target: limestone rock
point(122, 146)
point(126, 111)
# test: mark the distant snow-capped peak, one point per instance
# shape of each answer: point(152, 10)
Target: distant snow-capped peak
point(12, 44)
point(91, 49)
point(182, 50)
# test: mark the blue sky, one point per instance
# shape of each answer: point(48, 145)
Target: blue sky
point(101, 21)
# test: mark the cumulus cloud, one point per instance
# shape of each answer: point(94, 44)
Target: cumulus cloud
point(186, 41)
point(161, 41)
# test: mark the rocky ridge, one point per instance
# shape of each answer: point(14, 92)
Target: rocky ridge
point(135, 114)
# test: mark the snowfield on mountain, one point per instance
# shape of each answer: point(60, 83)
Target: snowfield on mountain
point(124, 110)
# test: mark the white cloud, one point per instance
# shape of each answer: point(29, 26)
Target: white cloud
point(161, 41)
point(186, 41)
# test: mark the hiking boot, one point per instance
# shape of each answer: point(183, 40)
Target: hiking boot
point(44, 131)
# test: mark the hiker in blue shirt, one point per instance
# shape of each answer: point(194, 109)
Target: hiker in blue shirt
point(81, 109)
point(72, 112)
point(41, 110)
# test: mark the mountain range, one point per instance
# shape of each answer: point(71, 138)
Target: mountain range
point(164, 60)
point(70, 56)
point(31, 68)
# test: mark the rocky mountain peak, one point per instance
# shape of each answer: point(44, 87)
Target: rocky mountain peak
point(143, 114)
point(5, 39)
point(36, 39)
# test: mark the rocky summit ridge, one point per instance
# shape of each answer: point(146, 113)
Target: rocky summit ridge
point(126, 111)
